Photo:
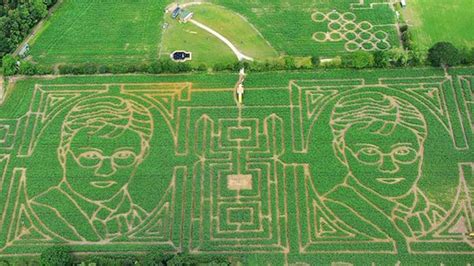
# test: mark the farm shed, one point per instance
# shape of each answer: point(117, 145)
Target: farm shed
point(185, 15)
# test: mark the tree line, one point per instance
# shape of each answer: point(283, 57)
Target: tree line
point(63, 256)
point(17, 18)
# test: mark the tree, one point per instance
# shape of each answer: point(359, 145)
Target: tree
point(27, 68)
point(315, 60)
point(381, 59)
point(444, 54)
point(56, 256)
point(290, 63)
point(9, 65)
point(399, 56)
point(467, 55)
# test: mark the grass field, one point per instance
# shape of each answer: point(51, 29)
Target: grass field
point(100, 32)
point(330, 166)
point(442, 20)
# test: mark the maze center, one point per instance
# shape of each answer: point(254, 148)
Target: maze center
point(239, 180)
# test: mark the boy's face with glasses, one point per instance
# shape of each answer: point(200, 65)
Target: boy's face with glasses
point(389, 164)
point(99, 166)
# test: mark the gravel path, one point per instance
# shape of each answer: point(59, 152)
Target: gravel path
point(234, 49)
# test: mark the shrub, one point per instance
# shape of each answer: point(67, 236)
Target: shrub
point(111, 260)
point(88, 69)
point(444, 54)
point(290, 63)
point(27, 68)
point(155, 67)
point(9, 65)
point(102, 69)
point(398, 56)
point(359, 59)
point(219, 67)
point(201, 67)
point(467, 55)
point(65, 69)
point(56, 256)
point(315, 61)
point(156, 258)
point(118, 69)
point(381, 59)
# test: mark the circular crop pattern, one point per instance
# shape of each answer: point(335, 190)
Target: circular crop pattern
point(365, 25)
point(364, 35)
point(320, 36)
point(335, 36)
point(334, 25)
point(334, 15)
point(359, 35)
point(350, 36)
point(382, 45)
point(349, 26)
point(381, 35)
point(359, 41)
point(318, 17)
point(367, 46)
point(349, 16)
point(352, 46)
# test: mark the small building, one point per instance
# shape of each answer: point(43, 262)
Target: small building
point(181, 56)
point(185, 15)
point(24, 51)
point(403, 3)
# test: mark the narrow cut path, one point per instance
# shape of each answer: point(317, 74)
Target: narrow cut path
point(234, 49)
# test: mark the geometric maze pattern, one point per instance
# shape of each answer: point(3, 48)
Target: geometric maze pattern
point(238, 196)
point(344, 27)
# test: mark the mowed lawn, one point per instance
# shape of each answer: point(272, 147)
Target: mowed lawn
point(236, 28)
point(441, 20)
point(105, 31)
point(208, 49)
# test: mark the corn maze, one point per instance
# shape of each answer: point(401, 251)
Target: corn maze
point(367, 26)
point(311, 168)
